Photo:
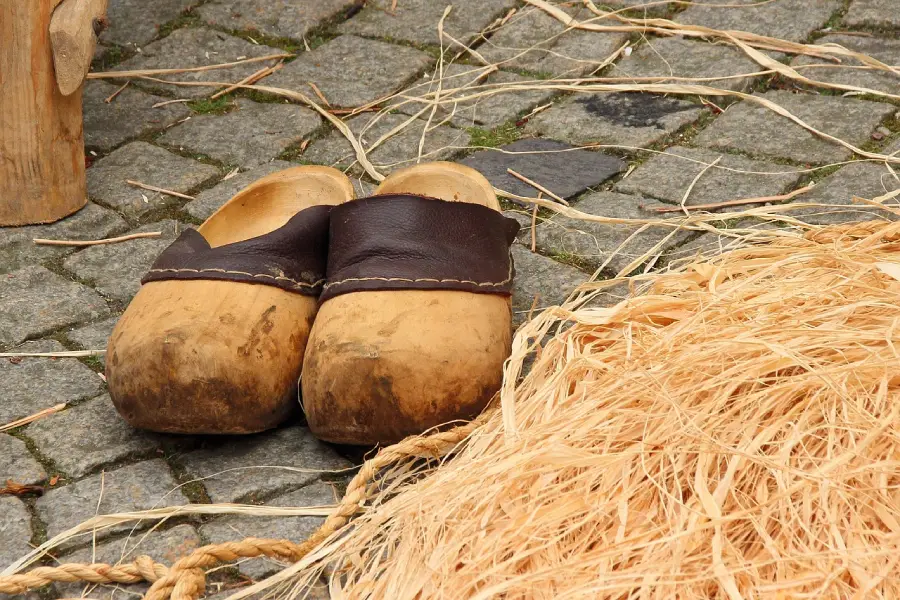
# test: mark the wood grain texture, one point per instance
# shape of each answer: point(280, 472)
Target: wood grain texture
point(42, 175)
point(73, 38)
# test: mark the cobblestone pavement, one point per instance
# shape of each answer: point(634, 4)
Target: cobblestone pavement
point(56, 298)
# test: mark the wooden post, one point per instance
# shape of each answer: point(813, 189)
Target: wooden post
point(42, 175)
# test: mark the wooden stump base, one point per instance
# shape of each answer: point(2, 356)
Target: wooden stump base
point(42, 170)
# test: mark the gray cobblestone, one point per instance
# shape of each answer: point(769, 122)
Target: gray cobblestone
point(283, 18)
point(16, 462)
point(91, 222)
point(35, 301)
point(350, 71)
point(559, 167)
point(116, 269)
point(249, 467)
point(595, 243)
point(30, 385)
point(873, 13)
point(128, 116)
point(678, 57)
point(162, 546)
point(536, 41)
point(540, 282)
point(250, 135)
point(72, 440)
point(791, 20)
point(93, 336)
point(757, 130)
point(634, 120)
point(863, 179)
point(286, 528)
point(463, 80)
point(417, 20)
point(15, 530)
point(209, 201)
point(885, 50)
point(141, 486)
point(136, 22)
point(667, 177)
point(198, 47)
point(401, 150)
point(148, 164)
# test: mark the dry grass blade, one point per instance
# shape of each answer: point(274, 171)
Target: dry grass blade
point(114, 240)
point(740, 201)
point(153, 188)
point(152, 72)
point(32, 418)
point(538, 187)
point(252, 78)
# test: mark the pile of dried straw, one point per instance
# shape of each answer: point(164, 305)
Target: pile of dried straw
point(729, 432)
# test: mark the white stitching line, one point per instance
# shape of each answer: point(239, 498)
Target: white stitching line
point(479, 284)
point(294, 281)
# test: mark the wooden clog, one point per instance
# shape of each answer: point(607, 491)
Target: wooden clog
point(222, 352)
point(416, 345)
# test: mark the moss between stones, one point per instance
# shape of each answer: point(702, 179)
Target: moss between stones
point(205, 106)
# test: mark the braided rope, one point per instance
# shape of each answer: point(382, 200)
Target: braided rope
point(186, 579)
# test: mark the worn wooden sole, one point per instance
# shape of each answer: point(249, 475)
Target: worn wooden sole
point(382, 365)
point(221, 356)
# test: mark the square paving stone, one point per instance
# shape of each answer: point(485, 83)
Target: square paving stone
point(417, 20)
point(351, 71)
point(16, 462)
point(873, 13)
point(883, 49)
point(90, 223)
point(30, 385)
point(140, 161)
point(94, 336)
point(116, 269)
point(540, 282)
point(400, 150)
point(15, 530)
point(136, 22)
point(460, 81)
point(73, 441)
point(755, 129)
point(594, 243)
point(129, 115)
point(209, 201)
point(162, 546)
point(35, 301)
point(534, 40)
point(633, 120)
point(232, 528)
point(198, 47)
point(141, 486)
point(792, 20)
point(279, 18)
point(250, 467)
point(669, 175)
point(559, 167)
point(863, 179)
point(677, 57)
point(248, 136)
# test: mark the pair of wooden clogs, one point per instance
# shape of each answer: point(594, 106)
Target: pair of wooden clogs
point(392, 311)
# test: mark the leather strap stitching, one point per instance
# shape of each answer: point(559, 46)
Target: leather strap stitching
point(227, 272)
point(509, 278)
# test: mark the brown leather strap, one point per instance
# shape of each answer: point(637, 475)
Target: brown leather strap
point(292, 257)
point(406, 242)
